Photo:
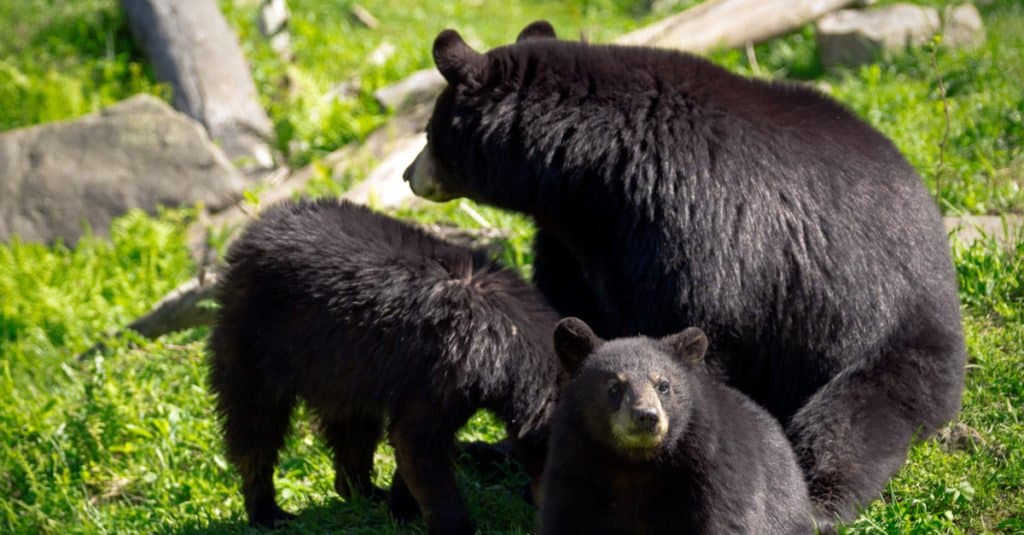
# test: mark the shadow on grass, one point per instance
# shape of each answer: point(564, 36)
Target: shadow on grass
point(492, 485)
point(501, 512)
point(359, 517)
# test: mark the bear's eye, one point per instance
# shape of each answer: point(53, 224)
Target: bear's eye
point(614, 389)
point(662, 386)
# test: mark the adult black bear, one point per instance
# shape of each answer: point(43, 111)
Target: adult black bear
point(645, 441)
point(669, 192)
point(370, 320)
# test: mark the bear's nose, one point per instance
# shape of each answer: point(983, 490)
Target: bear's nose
point(407, 175)
point(645, 418)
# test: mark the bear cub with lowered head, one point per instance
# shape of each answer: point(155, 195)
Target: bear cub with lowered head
point(646, 441)
point(374, 324)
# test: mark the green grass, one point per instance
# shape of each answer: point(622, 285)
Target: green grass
point(128, 442)
point(63, 58)
point(980, 166)
point(331, 48)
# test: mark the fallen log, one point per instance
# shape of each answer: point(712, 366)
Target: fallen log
point(191, 304)
point(730, 23)
point(191, 46)
point(700, 29)
point(391, 137)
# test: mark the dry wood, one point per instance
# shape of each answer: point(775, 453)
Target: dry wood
point(730, 23)
point(364, 16)
point(191, 46)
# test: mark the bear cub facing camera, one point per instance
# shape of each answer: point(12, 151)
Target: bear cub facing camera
point(644, 440)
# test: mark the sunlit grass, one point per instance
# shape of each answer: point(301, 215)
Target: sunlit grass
point(128, 442)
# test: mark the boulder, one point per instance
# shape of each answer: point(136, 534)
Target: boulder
point(856, 36)
point(1007, 229)
point(380, 55)
point(851, 37)
point(962, 26)
point(191, 47)
point(273, 23)
point(139, 153)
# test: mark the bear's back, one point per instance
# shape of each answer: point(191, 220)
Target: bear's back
point(762, 197)
point(327, 291)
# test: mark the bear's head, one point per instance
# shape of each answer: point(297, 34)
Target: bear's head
point(633, 395)
point(472, 134)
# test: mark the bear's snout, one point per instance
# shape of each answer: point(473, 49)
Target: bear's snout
point(407, 174)
point(646, 419)
point(423, 180)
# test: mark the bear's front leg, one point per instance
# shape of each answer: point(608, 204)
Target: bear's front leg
point(558, 275)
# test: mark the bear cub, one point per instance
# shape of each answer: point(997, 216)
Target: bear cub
point(375, 325)
point(644, 440)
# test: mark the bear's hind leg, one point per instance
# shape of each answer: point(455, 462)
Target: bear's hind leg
point(354, 441)
point(255, 422)
point(401, 502)
point(423, 437)
point(854, 433)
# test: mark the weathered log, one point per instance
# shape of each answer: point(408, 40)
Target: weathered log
point(380, 145)
point(385, 187)
point(421, 86)
point(191, 303)
point(181, 309)
point(702, 28)
point(191, 46)
point(730, 23)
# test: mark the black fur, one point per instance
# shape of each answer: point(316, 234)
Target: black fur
point(669, 192)
point(369, 320)
point(724, 467)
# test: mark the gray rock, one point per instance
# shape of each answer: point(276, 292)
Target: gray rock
point(418, 87)
point(959, 436)
point(139, 153)
point(273, 17)
point(380, 55)
point(273, 23)
point(281, 44)
point(191, 46)
point(1007, 229)
point(346, 89)
point(384, 187)
point(856, 36)
point(962, 26)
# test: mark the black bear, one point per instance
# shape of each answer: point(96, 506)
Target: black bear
point(645, 441)
point(669, 192)
point(373, 322)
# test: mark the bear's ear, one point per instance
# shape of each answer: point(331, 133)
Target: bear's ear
point(574, 342)
point(689, 346)
point(457, 61)
point(538, 29)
